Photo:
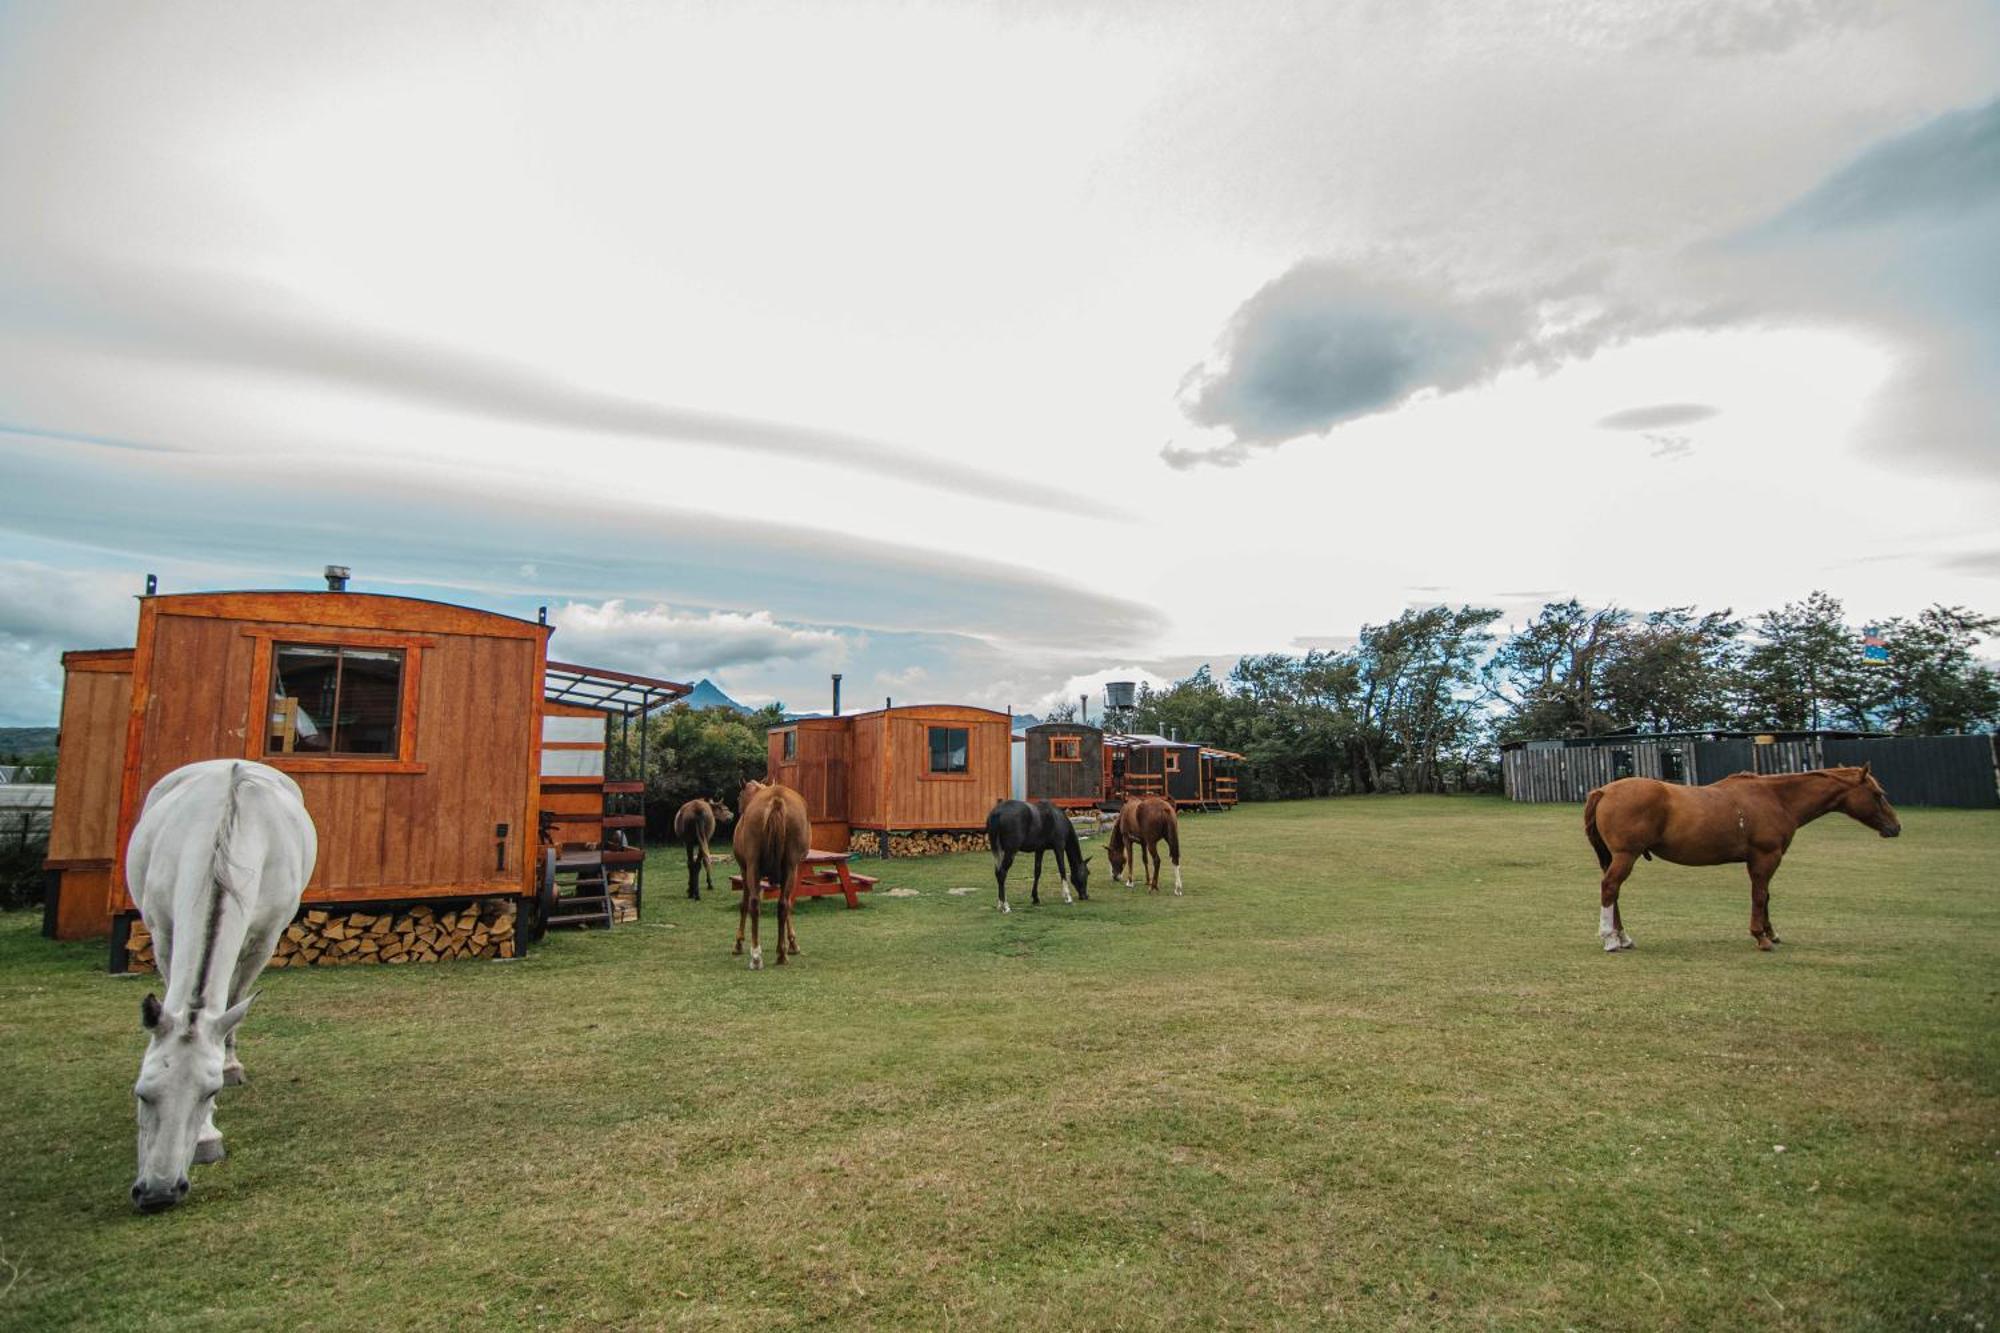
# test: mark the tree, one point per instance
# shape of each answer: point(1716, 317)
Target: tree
point(697, 752)
point(1673, 671)
point(1804, 671)
point(1550, 674)
point(1420, 682)
point(1931, 684)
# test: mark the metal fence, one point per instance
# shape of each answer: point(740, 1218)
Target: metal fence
point(1915, 770)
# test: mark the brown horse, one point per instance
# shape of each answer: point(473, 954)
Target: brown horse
point(694, 825)
point(1144, 822)
point(1746, 817)
point(771, 840)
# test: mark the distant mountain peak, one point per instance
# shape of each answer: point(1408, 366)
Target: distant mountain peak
point(706, 695)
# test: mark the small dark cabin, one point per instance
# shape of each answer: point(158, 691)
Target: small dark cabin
point(1066, 764)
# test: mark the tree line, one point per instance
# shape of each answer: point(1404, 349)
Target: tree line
point(1421, 703)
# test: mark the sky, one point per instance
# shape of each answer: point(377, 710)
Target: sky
point(983, 353)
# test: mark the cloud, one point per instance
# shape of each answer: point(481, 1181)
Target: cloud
point(1658, 417)
point(658, 640)
point(1327, 343)
point(1899, 241)
point(1671, 448)
point(223, 321)
point(44, 612)
point(444, 528)
point(1979, 564)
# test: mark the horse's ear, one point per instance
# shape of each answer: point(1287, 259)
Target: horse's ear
point(234, 1015)
point(149, 1012)
point(1865, 766)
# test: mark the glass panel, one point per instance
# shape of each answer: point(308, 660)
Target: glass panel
point(791, 746)
point(1672, 767)
point(589, 729)
point(572, 763)
point(303, 684)
point(948, 749)
point(1621, 764)
point(370, 703)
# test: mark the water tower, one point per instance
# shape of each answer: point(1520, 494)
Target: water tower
point(1121, 698)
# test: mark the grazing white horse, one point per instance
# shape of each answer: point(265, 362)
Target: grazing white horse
point(220, 856)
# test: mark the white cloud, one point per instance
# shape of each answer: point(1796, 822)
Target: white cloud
point(46, 611)
point(680, 645)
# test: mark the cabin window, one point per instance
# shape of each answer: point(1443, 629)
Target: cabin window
point(1673, 766)
point(949, 749)
point(1621, 764)
point(328, 700)
point(1173, 761)
point(1065, 749)
point(791, 750)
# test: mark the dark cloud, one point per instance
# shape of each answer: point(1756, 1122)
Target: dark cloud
point(1979, 564)
point(1900, 241)
point(230, 323)
point(1327, 343)
point(1658, 417)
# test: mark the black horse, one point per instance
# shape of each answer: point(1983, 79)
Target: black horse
point(1016, 826)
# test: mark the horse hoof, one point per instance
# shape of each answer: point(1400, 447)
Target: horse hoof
point(756, 960)
point(1005, 908)
point(1763, 945)
point(233, 1076)
point(1625, 942)
point(209, 1151)
point(1610, 944)
point(1775, 940)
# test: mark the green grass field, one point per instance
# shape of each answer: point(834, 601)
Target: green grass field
point(1373, 1071)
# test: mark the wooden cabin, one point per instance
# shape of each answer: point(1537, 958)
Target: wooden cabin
point(1065, 762)
point(415, 729)
point(1145, 765)
point(897, 781)
point(1219, 772)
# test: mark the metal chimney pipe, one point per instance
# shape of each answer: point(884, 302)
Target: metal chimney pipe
point(336, 578)
point(1083, 701)
point(836, 694)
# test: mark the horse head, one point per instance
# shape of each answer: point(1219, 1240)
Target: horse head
point(750, 791)
point(719, 810)
point(178, 1080)
point(1866, 802)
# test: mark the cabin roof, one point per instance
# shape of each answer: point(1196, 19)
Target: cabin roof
point(612, 691)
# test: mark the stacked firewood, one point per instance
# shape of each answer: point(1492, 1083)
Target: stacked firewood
point(625, 896)
point(419, 934)
point(423, 934)
point(927, 842)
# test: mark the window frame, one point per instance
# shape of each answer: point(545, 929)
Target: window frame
point(257, 732)
point(1173, 762)
point(1074, 746)
point(930, 753)
point(788, 747)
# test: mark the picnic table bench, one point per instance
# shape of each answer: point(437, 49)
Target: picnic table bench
point(820, 875)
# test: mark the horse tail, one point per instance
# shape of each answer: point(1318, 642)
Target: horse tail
point(1590, 829)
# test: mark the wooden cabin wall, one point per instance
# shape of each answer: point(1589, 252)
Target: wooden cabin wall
point(381, 834)
point(865, 771)
point(1183, 786)
point(1065, 783)
point(83, 828)
point(917, 800)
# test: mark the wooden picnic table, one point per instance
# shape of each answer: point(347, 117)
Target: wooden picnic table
point(821, 875)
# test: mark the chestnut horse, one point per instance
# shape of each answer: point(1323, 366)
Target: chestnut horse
point(694, 825)
point(1144, 822)
point(1746, 817)
point(772, 837)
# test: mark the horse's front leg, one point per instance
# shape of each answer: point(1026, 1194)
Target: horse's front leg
point(250, 964)
point(1610, 926)
point(749, 878)
point(208, 1139)
point(1762, 866)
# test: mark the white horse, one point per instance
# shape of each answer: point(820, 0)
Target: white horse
point(220, 856)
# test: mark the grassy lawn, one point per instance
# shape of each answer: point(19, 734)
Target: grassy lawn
point(1373, 1071)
